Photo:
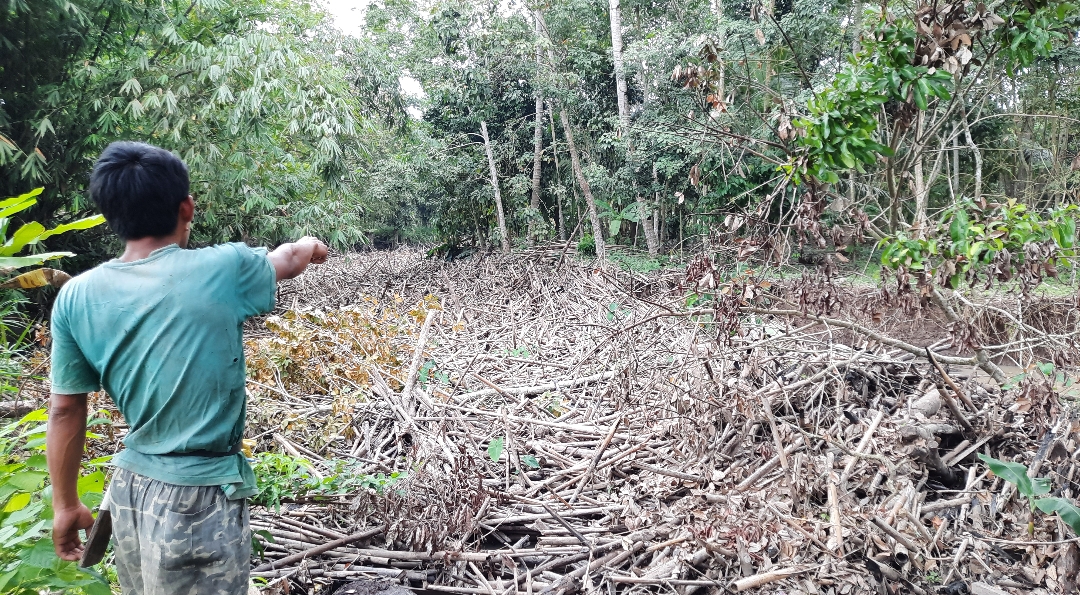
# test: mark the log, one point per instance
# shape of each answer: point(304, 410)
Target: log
point(315, 551)
point(13, 410)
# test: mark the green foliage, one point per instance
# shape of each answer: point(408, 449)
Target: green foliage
point(616, 312)
point(28, 563)
point(586, 246)
point(14, 329)
point(638, 263)
point(840, 131)
point(997, 241)
point(32, 233)
point(431, 370)
point(1034, 490)
point(259, 538)
point(1033, 28)
point(253, 94)
point(495, 449)
point(292, 128)
point(616, 216)
point(281, 477)
point(522, 351)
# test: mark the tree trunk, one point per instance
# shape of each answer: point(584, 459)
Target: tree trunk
point(721, 90)
point(558, 172)
point(575, 162)
point(538, 153)
point(890, 179)
point(918, 221)
point(503, 236)
point(658, 213)
point(538, 147)
point(620, 74)
point(977, 154)
point(956, 162)
point(624, 118)
point(481, 236)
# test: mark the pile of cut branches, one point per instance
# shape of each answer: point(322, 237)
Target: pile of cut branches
point(563, 428)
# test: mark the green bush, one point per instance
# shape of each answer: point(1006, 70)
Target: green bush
point(28, 563)
point(283, 477)
point(586, 246)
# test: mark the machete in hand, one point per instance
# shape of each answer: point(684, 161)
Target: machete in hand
point(97, 541)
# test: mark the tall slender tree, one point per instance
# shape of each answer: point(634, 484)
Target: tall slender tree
point(624, 120)
point(575, 162)
point(538, 141)
point(504, 237)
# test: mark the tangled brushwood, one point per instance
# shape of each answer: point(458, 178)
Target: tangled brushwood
point(526, 424)
point(566, 428)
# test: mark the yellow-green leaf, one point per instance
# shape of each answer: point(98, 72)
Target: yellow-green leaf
point(17, 502)
point(37, 278)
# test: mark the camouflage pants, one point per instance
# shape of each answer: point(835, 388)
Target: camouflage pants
point(178, 540)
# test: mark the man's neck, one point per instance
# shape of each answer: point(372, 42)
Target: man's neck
point(142, 247)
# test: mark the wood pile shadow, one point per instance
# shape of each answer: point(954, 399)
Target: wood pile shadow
point(568, 429)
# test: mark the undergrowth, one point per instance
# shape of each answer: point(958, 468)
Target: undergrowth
point(335, 352)
point(281, 477)
point(28, 563)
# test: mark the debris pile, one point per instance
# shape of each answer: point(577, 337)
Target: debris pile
point(563, 428)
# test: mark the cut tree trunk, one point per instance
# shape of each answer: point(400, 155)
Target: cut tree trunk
point(624, 119)
point(575, 162)
point(503, 236)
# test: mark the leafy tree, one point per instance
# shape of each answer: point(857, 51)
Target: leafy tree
point(251, 93)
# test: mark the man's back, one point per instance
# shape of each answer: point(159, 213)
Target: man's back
point(160, 330)
point(163, 337)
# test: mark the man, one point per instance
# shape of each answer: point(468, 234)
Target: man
point(160, 330)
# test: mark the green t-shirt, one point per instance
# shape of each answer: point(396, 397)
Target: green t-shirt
point(163, 337)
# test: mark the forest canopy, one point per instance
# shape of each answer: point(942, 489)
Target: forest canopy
point(659, 124)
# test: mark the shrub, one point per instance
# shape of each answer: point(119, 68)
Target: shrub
point(586, 246)
point(283, 477)
point(28, 563)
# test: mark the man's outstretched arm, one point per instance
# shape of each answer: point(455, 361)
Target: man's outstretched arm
point(64, 441)
point(291, 259)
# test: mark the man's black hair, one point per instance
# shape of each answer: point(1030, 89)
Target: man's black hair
point(139, 188)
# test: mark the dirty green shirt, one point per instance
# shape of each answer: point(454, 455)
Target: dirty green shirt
point(162, 336)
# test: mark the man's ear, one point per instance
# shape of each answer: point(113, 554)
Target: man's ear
point(187, 210)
